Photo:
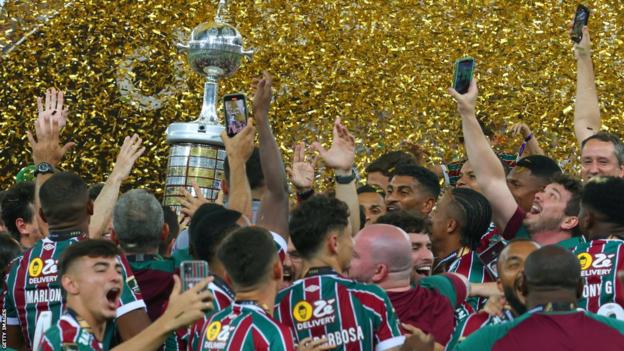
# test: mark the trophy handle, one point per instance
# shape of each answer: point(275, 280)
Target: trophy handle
point(182, 47)
point(249, 53)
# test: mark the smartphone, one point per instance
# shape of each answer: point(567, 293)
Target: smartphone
point(235, 108)
point(580, 19)
point(192, 272)
point(464, 68)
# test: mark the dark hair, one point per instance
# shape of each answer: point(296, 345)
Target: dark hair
point(575, 187)
point(609, 138)
point(247, 255)
point(474, 214)
point(95, 190)
point(171, 219)
point(64, 198)
point(86, 248)
point(138, 221)
point(540, 166)
point(254, 170)
point(427, 179)
point(410, 222)
point(18, 203)
point(367, 189)
point(552, 267)
point(209, 226)
point(9, 249)
point(604, 195)
point(311, 222)
point(387, 162)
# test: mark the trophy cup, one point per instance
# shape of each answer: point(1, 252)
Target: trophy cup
point(197, 153)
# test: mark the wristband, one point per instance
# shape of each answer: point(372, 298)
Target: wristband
point(305, 195)
point(346, 179)
point(529, 137)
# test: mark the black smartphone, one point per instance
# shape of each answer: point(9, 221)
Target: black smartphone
point(581, 18)
point(235, 107)
point(464, 68)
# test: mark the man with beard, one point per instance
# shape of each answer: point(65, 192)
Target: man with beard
point(549, 287)
point(418, 229)
point(372, 200)
point(549, 211)
point(381, 255)
point(603, 254)
point(510, 263)
point(412, 188)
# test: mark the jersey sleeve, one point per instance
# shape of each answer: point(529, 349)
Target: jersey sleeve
point(387, 331)
point(515, 228)
point(285, 341)
point(484, 338)
point(448, 285)
point(131, 298)
point(51, 340)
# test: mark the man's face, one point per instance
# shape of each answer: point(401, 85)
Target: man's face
point(98, 284)
point(510, 264)
point(374, 206)
point(468, 179)
point(377, 179)
point(523, 186)
point(29, 234)
point(548, 210)
point(406, 193)
point(422, 257)
point(362, 265)
point(345, 248)
point(598, 159)
point(296, 262)
point(440, 221)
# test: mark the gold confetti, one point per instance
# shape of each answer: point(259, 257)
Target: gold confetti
point(382, 66)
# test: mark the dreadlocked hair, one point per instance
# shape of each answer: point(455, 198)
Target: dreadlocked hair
point(475, 215)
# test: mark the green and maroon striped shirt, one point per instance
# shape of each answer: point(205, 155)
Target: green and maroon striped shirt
point(350, 315)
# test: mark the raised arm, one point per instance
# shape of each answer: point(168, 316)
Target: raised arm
point(273, 213)
point(532, 145)
point(103, 206)
point(340, 158)
point(302, 172)
point(586, 110)
point(239, 148)
point(487, 168)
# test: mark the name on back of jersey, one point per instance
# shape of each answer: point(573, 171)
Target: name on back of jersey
point(321, 313)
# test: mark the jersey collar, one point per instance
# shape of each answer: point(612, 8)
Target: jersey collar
point(314, 271)
point(61, 235)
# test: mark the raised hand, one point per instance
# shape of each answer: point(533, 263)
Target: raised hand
point(520, 129)
point(130, 151)
point(46, 147)
point(186, 307)
point(53, 107)
point(301, 171)
point(466, 103)
point(240, 146)
point(342, 152)
point(263, 93)
point(191, 203)
point(583, 48)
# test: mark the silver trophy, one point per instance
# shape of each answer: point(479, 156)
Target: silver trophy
point(197, 153)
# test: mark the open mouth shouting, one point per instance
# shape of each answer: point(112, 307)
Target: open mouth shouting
point(112, 296)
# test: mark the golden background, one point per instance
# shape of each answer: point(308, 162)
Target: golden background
point(383, 66)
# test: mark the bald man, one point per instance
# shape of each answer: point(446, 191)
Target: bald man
point(382, 255)
point(550, 286)
point(510, 264)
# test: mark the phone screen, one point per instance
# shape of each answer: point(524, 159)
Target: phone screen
point(235, 113)
point(192, 272)
point(581, 19)
point(463, 74)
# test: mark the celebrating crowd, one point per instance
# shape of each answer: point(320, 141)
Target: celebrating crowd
point(494, 252)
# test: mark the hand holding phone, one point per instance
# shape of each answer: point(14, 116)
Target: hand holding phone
point(235, 107)
point(581, 18)
point(464, 68)
point(192, 272)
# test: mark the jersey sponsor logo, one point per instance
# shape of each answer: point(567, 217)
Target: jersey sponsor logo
point(213, 330)
point(593, 290)
point(217, 335)
point(48, 247)
point(309, 316)
point(42, 272)
point(35, 267)
point(312, 288)
point(37, 296)
point(597, 264)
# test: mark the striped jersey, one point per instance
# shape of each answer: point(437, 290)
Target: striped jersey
point(470, 266)
point(73, 333)
point(32, 285)
point(475, 322)
point(242, 326)
point(350, 315)
point(222, 295)
point(600, 261)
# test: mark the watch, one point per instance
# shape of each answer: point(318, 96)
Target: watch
point(44, 168)
point(346, 179)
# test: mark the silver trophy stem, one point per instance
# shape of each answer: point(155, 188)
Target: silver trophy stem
point(208, 114)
